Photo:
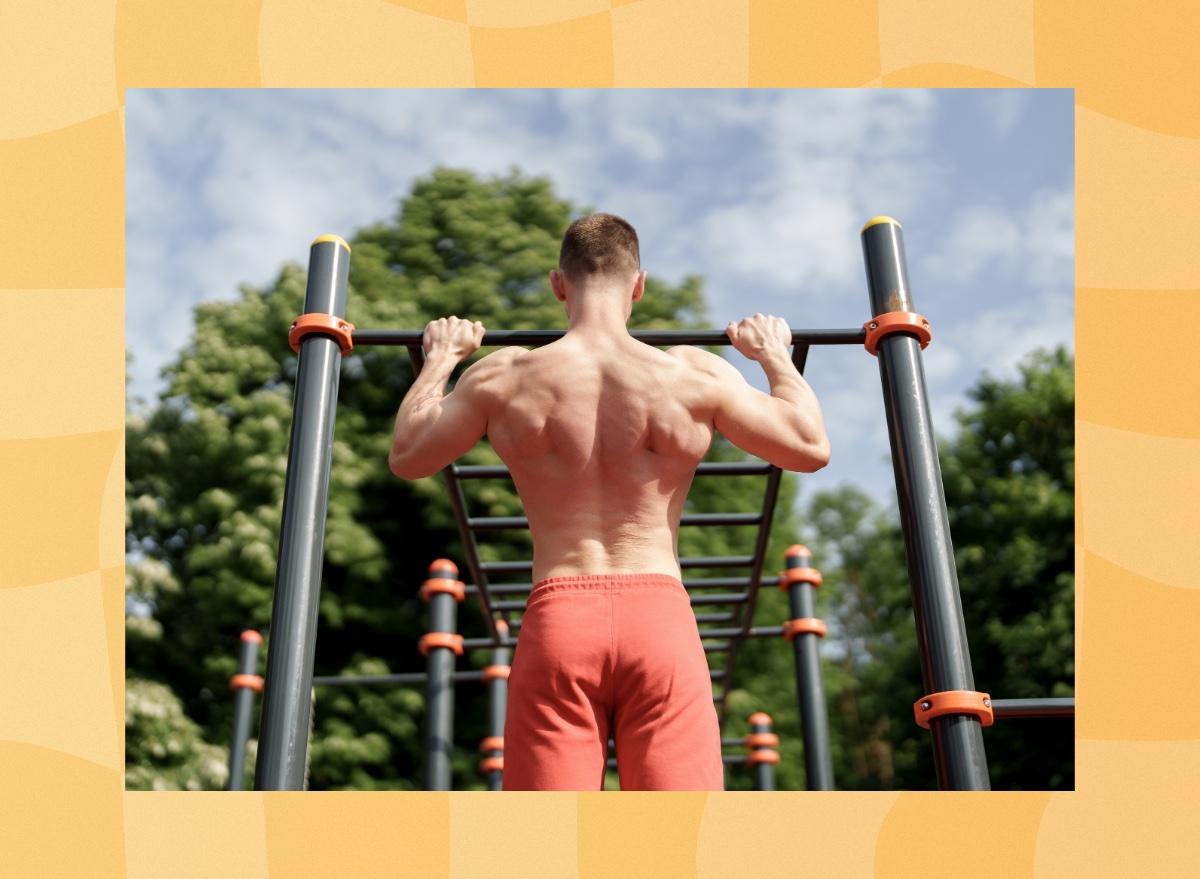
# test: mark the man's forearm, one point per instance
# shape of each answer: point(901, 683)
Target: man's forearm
point(428, 388)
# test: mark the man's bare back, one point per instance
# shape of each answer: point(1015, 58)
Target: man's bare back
point(602, 433)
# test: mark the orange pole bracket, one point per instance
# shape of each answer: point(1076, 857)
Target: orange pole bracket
point(440, 639)
point(327, 325)
point(896, 322)
point(440, 584)
point(253, 682)
point(762, 740)
point(491, 743)
point(954, 702)
point(792, 628)
point(491, 764)
point(762, 756)
point(799, 575)
point(495, 672)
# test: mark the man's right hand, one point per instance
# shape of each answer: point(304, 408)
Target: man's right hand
point(452, 335)
point(760, 336)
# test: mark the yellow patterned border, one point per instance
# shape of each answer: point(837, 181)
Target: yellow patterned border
point(63, 73)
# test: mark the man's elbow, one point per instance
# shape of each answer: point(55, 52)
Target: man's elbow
point(811, 458)
point(405, 467)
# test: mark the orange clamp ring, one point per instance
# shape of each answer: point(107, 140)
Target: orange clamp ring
point(762, 740)
point(804, 625)
point(441, 584)
point(440, 639)
point(491, 743)
point(496, 672)
point(896, 322)
point(253, 682)
point(799, 575)
point(954, 702)
point(327, 324)
point(763, 756)
point(491, 764)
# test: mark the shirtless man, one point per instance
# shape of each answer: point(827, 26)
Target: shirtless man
point(602, 435)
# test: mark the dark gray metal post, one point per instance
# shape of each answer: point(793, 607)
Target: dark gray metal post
point(810, 685)
point(933, 579)
point(762, 754)
point(443, 591)
point(244, 685)
point(496, 676)
point(287, 699)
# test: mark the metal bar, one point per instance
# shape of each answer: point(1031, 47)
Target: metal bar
point(716, 617)
point(1023, 708)
point(439, 719)
point(706, 468)
point(497, 707)
point(933, 580)
point(719, 598)
point(416, 677)
point(511, 523)
point(243, 708)
point(500, 338)
point(738, 561)
point(756, 632)
point(287, 696)
point(764, 772)
point(810, 685)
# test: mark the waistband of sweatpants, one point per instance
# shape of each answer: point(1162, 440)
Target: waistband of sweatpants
point(606, 583)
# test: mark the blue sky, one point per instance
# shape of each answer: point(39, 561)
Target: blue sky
point(762, 193)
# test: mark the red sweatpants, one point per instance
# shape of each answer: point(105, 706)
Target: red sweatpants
point(619, 654)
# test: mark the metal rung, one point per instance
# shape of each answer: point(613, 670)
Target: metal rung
point(508, 605)
point(1017, 708)
point(721, 598)
point(733, 561)
point(718, 583)
point(707, 468)
point(715, 618)
point(515, 523)
point(757, 632)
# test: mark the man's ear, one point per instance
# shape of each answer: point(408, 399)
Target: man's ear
point(639, 286)
point(559, 285)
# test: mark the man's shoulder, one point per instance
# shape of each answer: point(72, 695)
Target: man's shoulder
point(701, 360)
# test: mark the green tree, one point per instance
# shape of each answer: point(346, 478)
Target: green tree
point(207, 461)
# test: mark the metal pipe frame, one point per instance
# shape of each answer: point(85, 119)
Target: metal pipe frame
point(287, 694)
point(535, 338)
point(764, 772)
point(439, 718)
point(810, 685)
point(243, 709)
point(933, 579)
point(497, 708)
point(1033, 708)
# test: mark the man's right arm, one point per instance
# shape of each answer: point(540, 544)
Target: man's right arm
point(784, 427)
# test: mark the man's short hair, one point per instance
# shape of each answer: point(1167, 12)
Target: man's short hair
point(599, 244)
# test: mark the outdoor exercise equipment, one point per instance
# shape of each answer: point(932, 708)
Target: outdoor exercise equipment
point(895, 334)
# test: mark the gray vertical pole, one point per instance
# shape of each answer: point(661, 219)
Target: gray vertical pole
point(244, 685)
point(762, 755)
point(810, 686)
point(496, 676)
point(933, 578)
point(286, 708)
point(443, 591)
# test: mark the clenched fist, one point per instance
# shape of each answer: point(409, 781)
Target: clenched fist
point(759, 336)
point(452, 336)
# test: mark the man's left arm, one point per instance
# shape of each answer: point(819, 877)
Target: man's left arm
point(433, 428)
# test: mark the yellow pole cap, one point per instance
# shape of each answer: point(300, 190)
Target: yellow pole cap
point(336, 239)
point(875, 221)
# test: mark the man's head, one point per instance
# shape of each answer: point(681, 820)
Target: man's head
point(599, 256)
point(599, 246)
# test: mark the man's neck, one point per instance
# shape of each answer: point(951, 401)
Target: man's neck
point(599, 313)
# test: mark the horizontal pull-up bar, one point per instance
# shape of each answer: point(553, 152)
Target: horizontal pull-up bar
point(499, 338)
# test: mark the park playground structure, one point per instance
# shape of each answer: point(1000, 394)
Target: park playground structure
point(952, 709)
